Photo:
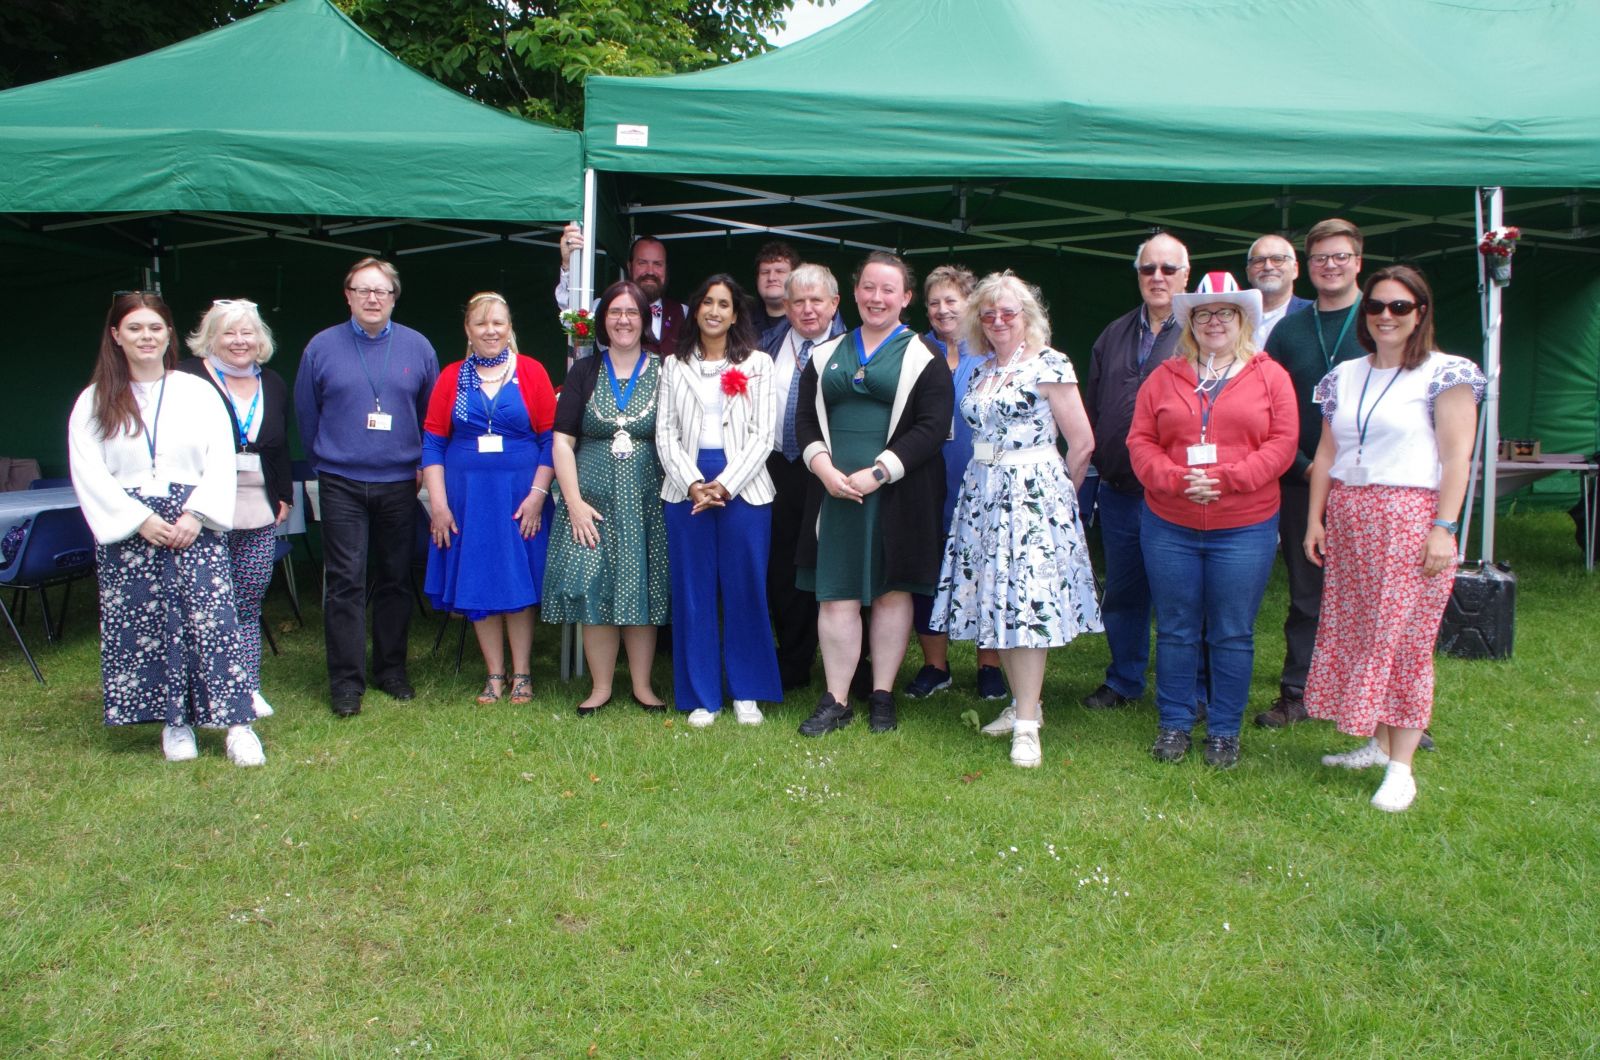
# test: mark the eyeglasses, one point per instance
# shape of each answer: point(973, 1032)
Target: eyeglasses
point(1004, 316)
point(1166, 267)
point(622, 314)
point(364, 293)
point(1227, 314)
point(1341, 258)
point(1277, 261)
point(1400, 307)
point(224, 303)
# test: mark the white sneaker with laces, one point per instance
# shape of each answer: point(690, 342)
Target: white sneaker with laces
point(1366, 756)
point(1007, 720)
point(1025, 750)
point(746, 711)
point(177, 743)
point(1398, 790)
point(701, 718)
point(262, 707)
point(244, 747)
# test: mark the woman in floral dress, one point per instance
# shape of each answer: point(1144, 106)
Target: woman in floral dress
point(1016, 574)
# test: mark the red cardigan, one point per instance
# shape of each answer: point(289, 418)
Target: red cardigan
point(1255, 426)
point(530, 378)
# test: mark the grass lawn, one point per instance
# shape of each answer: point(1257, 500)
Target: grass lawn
point(440, 879)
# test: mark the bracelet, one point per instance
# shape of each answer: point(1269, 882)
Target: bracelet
point(539, 489)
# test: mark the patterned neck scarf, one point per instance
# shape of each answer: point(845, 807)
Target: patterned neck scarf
point(468, 383)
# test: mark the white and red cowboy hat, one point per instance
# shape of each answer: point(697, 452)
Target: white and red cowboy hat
point(1219, 288)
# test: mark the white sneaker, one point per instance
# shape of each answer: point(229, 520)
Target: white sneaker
point(1002, 725)
point(244, 747)
point(746, 711)
point(1398, 790)
point(262, 707)
point(1025, 751)
point(177, 743)
point(701, 718)
point(1366, 756)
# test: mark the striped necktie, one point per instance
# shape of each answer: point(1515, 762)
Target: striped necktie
point(791, 444)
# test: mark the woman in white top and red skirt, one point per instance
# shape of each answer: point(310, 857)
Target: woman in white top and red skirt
point(1387, 486)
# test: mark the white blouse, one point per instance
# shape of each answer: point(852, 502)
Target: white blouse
point(194, 447)
point(1396, 405)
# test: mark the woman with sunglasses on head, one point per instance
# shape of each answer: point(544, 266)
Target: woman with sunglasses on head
point(1387, 486)
point(1016, 576)
point(875, 407)
point(230, 346)
point(153, 465)
point(486, 466)
point(608, 549)
point(717, 420)
point(1213, 429)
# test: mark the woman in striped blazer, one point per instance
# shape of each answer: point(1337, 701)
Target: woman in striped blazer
point(716, 425)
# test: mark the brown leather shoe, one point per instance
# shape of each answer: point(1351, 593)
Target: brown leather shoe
point(1283, 713)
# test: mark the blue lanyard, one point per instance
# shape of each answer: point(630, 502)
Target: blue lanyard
point(250, 418)
point(1362, 425)
point(1208, 402)
point(155, 425)
point(624, 394)
point(1344, 329)
point(862, 356)
point(388, 345)
point(489, 405)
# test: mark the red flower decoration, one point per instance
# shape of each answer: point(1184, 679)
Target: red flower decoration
point(583, 312)
point(734, 382)
point(582, 329)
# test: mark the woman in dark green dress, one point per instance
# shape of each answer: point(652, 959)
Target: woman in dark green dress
point(875, 407)
point(608, 549)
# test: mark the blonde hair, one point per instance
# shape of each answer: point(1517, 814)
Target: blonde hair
point(1036, 325)
point(390, 273)
point(224, 314)
point(480, 299)
point(1244, 346)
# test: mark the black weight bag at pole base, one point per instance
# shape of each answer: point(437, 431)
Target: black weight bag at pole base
point(1480, 620)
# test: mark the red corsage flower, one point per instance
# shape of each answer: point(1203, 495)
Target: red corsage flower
point(582, 329)
point(734, 382)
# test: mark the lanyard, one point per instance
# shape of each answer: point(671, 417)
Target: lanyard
point(154, 426)
point(249, 418)
point(624, 394)
point(490, 404)
point(388, 345)
point(1362, 425)
point(1344, 329)
point(862, 356)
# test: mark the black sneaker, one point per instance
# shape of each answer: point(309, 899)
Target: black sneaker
point(880, 711)
point(929, 679)
point(1170, 746)
point(992, 683)
point(829, 715)
point(1222, 752)
point(1105, 698)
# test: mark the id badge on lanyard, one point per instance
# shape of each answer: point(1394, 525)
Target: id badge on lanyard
point(380, 421)
point(491, 443)
point(1202, 454)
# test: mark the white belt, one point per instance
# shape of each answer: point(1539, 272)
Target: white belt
point(984, 453)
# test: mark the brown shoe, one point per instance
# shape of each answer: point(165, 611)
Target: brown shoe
point(1283, 713)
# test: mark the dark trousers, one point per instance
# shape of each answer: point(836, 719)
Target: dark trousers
point(794, 611)
point(367, 524)
point(1305, 588)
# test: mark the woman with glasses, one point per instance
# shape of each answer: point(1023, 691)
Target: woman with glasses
point(230, 346)
point(608, 550)
point(153, 465)
point(1016, 576)
point(1387, 486)
point(486, 466)
point(875, 407)
point(1213, 429)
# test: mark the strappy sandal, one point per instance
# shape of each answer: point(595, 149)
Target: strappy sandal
point(491, 692)
point(521, 688)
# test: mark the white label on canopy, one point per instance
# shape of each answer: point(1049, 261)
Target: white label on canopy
point(633, 135)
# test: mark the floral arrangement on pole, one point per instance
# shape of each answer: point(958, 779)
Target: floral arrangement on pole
point(579, 326)
point(734, 382)
point(1497, 246)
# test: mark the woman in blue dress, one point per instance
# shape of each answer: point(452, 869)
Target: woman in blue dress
point(486, 466)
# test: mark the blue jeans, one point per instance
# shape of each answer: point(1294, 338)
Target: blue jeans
point(1206, 586)
point(1125, 604)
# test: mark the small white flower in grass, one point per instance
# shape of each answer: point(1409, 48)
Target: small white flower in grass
point(1226, 926)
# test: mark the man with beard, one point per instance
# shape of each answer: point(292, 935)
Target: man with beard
point(647, 268)
point(1272, 269)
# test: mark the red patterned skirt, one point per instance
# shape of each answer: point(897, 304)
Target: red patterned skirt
point(1373, 660)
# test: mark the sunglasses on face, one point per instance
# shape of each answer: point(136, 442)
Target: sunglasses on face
point(1004, 316)
point(1166, 267)
point(1227, 314)
point(1400, 307)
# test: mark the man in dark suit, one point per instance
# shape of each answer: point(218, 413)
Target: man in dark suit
point(647, 267)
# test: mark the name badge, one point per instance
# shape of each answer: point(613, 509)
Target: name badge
point(1202, 454)
point(983, 452)
point(491, 443)
point(1356, 476)
point(380, 421)
point(247, 462)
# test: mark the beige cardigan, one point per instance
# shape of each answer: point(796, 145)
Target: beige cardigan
point(749, 429)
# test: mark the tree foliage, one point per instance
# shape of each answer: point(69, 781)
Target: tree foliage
point(49, 38)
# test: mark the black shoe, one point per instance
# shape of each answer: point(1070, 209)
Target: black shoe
point(992, 683)
point(880, 711)
point(347, 705)
point(584, 712)
point(861, 683)
point(829, 715)
point(397, 688)
point(654, 708)
point(1427, 742)
point(1105, 698)
point(929, 679)
point(1222, 752)
point(1286, 710)
point(1170, 746)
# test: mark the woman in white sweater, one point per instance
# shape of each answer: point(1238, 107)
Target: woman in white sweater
point(153, 466)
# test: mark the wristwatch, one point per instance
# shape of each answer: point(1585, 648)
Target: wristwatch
point(879, 474)
point(1449, 527)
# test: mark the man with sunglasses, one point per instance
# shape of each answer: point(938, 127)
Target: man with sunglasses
point(1124, 355)
point(1308, 343)
point(361, 394)
point(1272, 269)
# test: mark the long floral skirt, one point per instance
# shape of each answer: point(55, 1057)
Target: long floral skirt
point(1373, 660)
point(170, 649)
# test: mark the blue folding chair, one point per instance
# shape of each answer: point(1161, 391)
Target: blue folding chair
point(58, 549)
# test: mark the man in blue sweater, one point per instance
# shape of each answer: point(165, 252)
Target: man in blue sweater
point(361, 394)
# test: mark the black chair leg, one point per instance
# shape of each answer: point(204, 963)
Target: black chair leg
point(266, 631)
point(49, 624)
point(26, 654)
point(438, 638)
point(461, 645)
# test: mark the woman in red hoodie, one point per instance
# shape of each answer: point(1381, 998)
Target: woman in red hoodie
point(1212, 431)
